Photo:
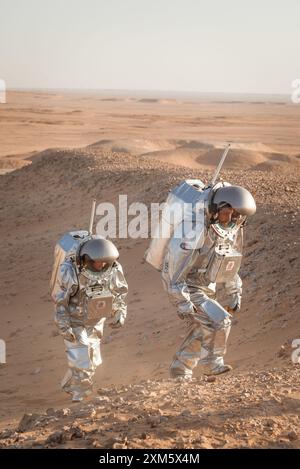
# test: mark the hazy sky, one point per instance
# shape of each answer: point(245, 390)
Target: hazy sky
point(248, 46)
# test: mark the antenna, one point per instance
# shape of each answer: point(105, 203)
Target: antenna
point(219, 167)
point(92, 216)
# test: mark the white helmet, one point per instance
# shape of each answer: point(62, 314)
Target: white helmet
point(239, 198)
point(99, 249)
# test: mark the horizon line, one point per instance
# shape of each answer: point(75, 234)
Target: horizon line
point(145, 90)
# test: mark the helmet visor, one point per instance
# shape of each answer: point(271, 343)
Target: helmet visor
point(96, 265)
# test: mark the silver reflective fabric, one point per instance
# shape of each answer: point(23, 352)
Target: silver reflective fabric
point(76, 297)
point(184, 203)
point(66, 246)
point(193, 294)
point(83, 358)
point(214, 310)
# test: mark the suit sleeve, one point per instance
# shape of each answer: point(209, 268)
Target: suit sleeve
point(119, 290)
point(179, 259)
point(66, 286)
point(234, 288)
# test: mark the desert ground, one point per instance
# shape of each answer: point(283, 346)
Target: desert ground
point(61, 150)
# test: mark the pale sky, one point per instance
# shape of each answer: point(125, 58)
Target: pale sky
point(226, 46)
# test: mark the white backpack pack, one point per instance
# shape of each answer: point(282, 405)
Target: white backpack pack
point(184, 203)
point(184, 210)
point(65, 248)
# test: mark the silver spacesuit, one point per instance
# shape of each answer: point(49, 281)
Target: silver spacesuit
point(89, 287)
point(191, 273)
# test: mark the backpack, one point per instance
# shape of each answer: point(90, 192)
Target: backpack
point(65, 248)
point(179, 208)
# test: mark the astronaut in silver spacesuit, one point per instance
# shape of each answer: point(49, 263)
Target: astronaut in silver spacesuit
point(89, 288)
point(191, 275)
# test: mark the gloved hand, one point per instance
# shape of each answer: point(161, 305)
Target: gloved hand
point(99, 328)
point(118, 320)
point(187, 315)
point(234, 303)
point(68, 334)
point(187, 318)
point(233, 310)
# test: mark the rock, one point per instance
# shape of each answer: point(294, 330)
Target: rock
point(144, 436)
point(102, 398)
point(287, 391)
point(63, 412)
point(58, 438)
point(103, 391)
point(211, 379)
point(154, 420)
point(269, 423)
point(27, 422)
point(76, 432)
point(116, 442)
point(50, 411)
point(203, 443)
point(88, 412)
point(6, 434)
point(180, 442)
point(119, 400)
point(185, 413)
point(96, 444)
point(119, 446)
point(292, 436)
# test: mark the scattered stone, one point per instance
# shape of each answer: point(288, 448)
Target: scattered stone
point(154, 420)
point(292, 436)
point(102, 398)
point(269, 423)
point(6, 434)
point(88, 412)
point(185, 413)
point(27, 422)
point(211, 379)
point(76, 432)
point(116, 442)
point(96, 444)
point(119, 446)
point(58, 438)
point(63, 412)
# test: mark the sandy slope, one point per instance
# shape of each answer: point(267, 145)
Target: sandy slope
point(64, 184)
point(254, 410)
